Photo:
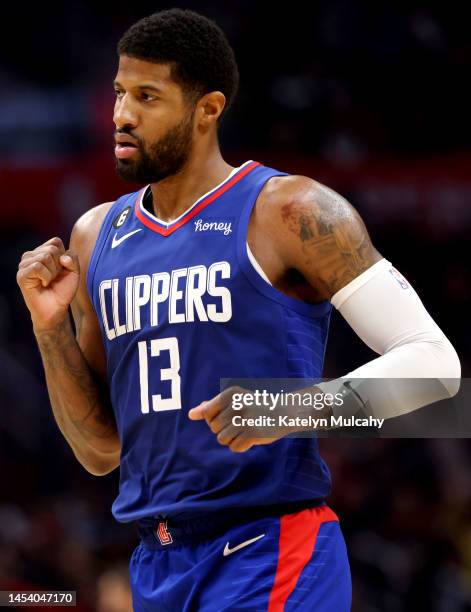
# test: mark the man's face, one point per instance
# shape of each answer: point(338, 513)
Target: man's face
point(154, 124)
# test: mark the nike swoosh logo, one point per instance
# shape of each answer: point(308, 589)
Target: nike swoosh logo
point(229, 551)
point(117, 241)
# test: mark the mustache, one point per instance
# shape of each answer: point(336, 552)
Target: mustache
point(129, 133)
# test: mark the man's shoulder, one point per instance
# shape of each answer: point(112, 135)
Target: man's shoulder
point(86, 229)
point(278, 187)
point(92, 219)
point(90, 222)
point(294, 189)
point(283, 197)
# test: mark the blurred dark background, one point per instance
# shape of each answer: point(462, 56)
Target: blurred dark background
point(370, 98)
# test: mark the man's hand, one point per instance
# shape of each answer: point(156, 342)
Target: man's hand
point(218, 414)
point(256, 423)
point(48, 278)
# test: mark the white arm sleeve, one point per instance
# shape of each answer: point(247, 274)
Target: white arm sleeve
point(387, 314)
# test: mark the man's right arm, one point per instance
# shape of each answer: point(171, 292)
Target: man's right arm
point(51, 280)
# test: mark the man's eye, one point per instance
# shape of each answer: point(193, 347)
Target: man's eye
point(147, 97)
point(118, 93)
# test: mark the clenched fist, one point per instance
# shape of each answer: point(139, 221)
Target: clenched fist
point(48, 278)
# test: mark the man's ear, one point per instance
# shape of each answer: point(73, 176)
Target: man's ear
point(209, 108)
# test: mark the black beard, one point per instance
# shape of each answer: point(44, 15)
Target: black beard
point(163, 158)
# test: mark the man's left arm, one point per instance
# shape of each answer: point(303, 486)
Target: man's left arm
point(321, 236)
point(331, 248)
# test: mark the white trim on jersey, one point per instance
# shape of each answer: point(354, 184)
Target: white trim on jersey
point(256, 265)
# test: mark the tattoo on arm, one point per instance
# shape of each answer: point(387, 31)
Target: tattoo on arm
point(79, 398)
point(333, 239)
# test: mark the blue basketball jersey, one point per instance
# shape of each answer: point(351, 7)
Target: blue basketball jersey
point(181, 307)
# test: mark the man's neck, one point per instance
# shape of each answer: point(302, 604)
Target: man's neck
point(174, 195)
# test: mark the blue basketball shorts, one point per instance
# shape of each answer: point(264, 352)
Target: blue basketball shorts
point(294, 562)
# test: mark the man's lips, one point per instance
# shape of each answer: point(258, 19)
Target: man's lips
point(124, 150)
point(125, 146)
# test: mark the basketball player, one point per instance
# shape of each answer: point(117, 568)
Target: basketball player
point(208, 272)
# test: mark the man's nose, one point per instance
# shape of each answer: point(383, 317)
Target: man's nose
point(124, 115)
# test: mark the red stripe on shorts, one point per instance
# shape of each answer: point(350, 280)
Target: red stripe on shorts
point(298, 533)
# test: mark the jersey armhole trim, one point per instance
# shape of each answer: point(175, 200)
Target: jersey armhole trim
point(256, 265)
point(100, 243)
point(253, 276)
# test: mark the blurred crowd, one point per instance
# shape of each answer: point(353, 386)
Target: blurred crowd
point(340, 79)
point(366, 97)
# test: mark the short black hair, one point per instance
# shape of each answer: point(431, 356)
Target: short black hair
point(200, 55)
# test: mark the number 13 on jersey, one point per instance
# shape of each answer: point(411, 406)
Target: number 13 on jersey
point(154, 348)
